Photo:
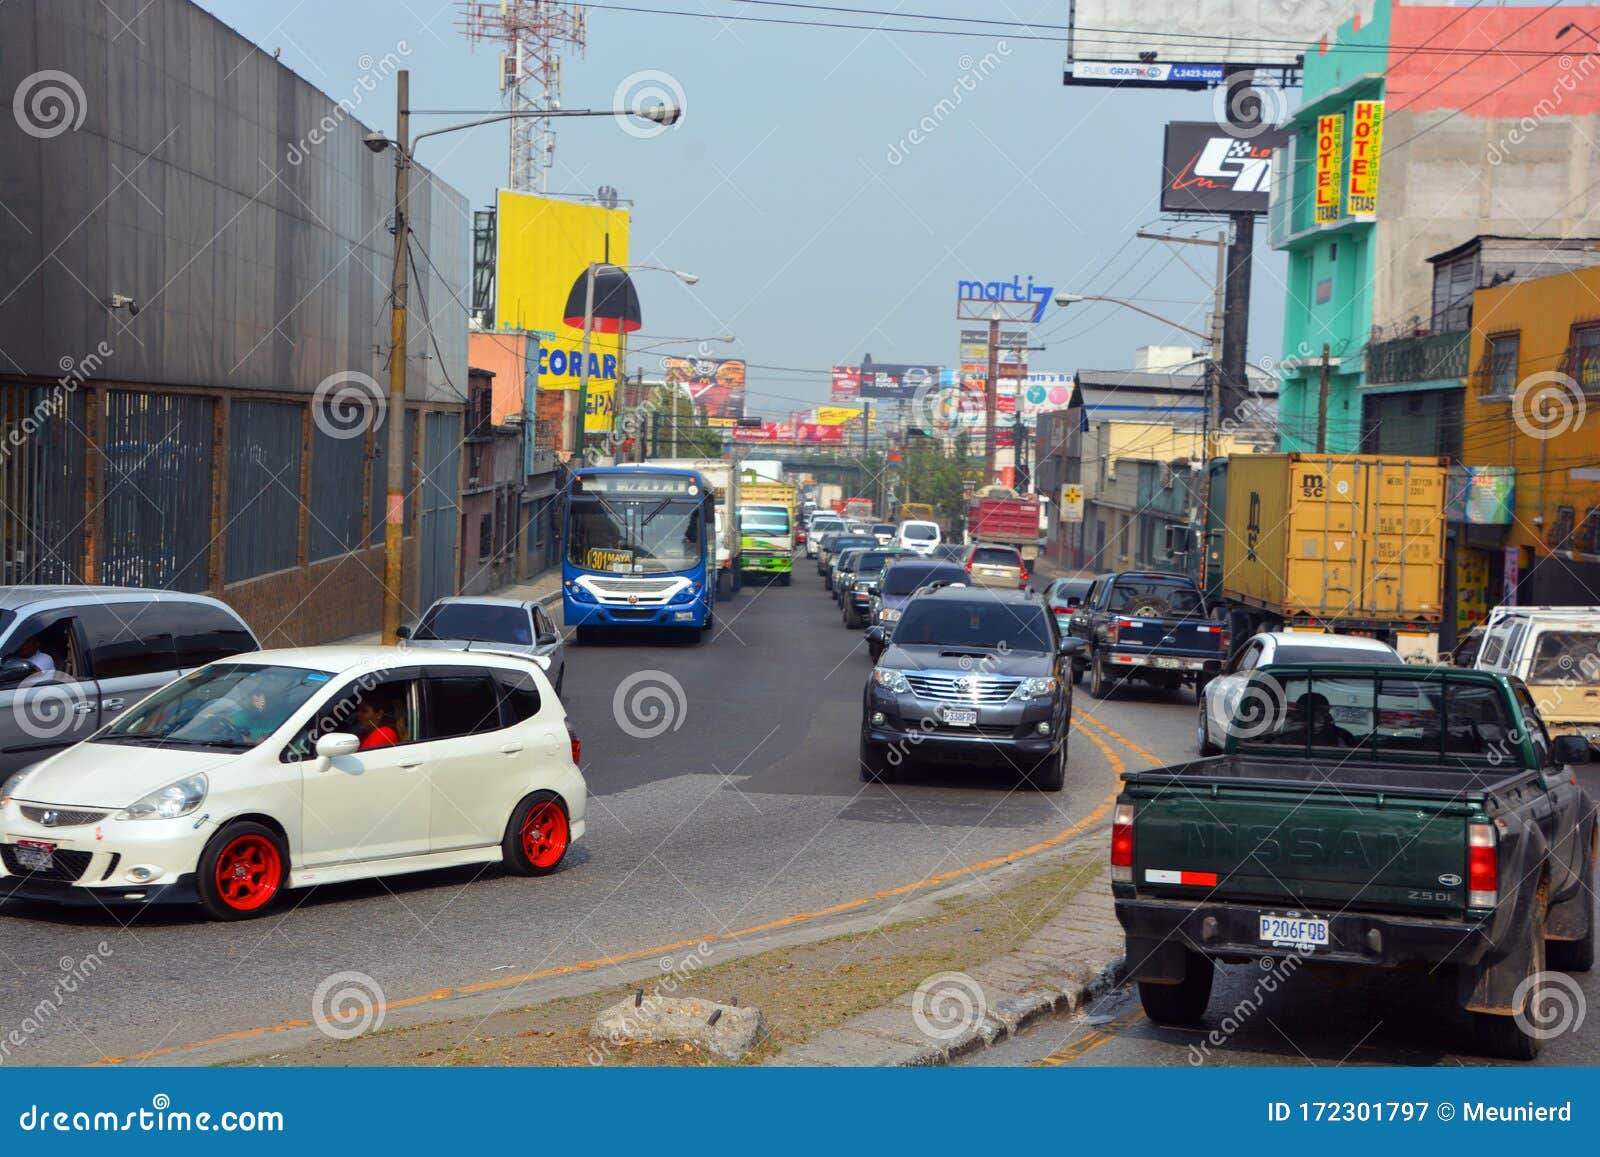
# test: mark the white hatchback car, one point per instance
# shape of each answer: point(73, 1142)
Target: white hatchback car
point(922, 537)
point(290, 768)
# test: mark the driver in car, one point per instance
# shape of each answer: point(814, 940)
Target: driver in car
point(1324, 731)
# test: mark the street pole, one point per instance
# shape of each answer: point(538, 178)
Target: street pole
point(1242, 114)
point(991, 395)
point(399, 459)
point(1322, 405)
point(583, 364)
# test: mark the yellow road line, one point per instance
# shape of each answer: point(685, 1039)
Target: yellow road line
point(1120, 738)
point(1091, 1040)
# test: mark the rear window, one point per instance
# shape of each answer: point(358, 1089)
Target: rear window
point(1565, 656)
point(996, 556)
point(883, 528)
point(1154, 597)
point(974, 623)
point(871, 560)
point(1381, 717)
point(477, 623)
point(920, 531)
point(902, 580)
point(1329, 655)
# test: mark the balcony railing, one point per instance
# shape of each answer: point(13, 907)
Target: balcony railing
point(1418, 358)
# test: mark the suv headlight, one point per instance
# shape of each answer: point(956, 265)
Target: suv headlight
point(1036, 687)
point(887, 614)
point(172, 801)
point(891, 680)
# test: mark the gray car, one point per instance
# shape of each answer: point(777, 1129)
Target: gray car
point(512, 626)
point(73, 658)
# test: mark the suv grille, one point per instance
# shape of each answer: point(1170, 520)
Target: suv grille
point(65, 865)
point(982, 689)
point(56, 817)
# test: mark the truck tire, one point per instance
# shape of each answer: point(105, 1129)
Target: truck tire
point(1576, 955)
point(785, 579)
point(874, 768)
point(1508, 1037)
point(1077, 674)
point(1148, 607)
point(1182, 1003)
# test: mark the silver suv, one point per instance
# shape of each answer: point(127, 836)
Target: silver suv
point(73, 658)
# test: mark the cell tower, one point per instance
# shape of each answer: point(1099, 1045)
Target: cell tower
point(531, 35)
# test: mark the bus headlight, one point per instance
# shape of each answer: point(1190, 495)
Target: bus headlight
point(581, 593)
point(687, 594)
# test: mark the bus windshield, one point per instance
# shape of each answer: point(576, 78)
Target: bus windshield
point(632, 535)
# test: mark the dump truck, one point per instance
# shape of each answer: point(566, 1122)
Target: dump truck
point(999, 515)
point(1346, 543)
point(766, 528)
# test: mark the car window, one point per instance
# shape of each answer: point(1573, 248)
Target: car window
point(1289, 653)
point(1512, 651)
point(1536, 731)
point(872, 560)
point(922, 532)
point(459, 701)
point(1092, 595)
point(542, 623)
point(50, 642)
point(902, 579)
point(476, 622)
point(975, 623)
point(519, 696)
point(1493, 640)
point(1154, 597)
point(996, 556)
point(1476, 723)
point(1250, 656)
point(379, 708)
point(129, 638)
point(203, 634)
point(1560, 656)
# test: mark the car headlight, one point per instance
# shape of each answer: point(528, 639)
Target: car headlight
point(1036, 687)
point(892, 680)
point(13, 785)
point(172, 801)
point(887, 614)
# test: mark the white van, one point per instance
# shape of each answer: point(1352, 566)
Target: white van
point(921, 537)
point(1556, 652)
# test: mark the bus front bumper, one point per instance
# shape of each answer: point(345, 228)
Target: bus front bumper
point(578, 614)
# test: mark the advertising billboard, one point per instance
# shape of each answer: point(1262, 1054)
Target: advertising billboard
point(1366, 147)
point(716, 385)
point(1190, 43)
point(1206, 169)
point(892, 380)
point(543, 246)
point(846, 383)
point(1330, 157)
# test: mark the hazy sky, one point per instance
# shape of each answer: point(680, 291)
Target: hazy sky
point(819, 231)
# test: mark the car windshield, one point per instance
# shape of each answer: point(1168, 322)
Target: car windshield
point(1293, 654)
point(1154, 597)
point(476, 623)
point(996, 556)
point(870, 561)
point(920, 531)
point(229, 706)
point(974, 623)
point(1565, 656)
point(1064, 590)
point(902, 580)
point(634, 536)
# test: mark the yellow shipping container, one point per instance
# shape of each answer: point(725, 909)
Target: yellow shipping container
point(1356, 538)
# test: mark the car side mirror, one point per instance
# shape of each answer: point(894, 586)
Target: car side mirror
point(337, 743)
point(875, 636)
point(14, 670)
point(402, 632)
point(1071, 646)
point(1568, 749)
point(549, 638)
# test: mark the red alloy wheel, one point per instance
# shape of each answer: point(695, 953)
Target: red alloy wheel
point(249, 872)
point(544, 834)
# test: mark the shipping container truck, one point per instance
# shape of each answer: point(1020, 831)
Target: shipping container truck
point(1346, 543)
point(860, 508)
point(724, 481)
point(766, 528)
point(997, 514)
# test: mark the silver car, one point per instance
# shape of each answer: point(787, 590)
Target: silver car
point(511, 626)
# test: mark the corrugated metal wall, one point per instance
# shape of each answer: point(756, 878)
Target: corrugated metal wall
point(41, 484)
point(441, 517)
point(157, 488)
point(338, 478)
point(263, 532)
point(380, 476)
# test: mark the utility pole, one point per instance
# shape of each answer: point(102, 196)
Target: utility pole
point(399, 459)
point(1322, 405)
point(991, 397)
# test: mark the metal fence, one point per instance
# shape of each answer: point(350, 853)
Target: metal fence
point(263, 489)
point(156, 471)
point(42, 447)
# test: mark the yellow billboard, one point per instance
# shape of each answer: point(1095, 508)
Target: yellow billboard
point(836, 415)
point(1330, 160)
point(543, 245)
point(1366, 148)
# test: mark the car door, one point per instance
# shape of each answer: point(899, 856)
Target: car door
point(373, 804)
point(549, 645)
point(1223, 693)
point(470, 757)
point(131, 649)
point(41, 714)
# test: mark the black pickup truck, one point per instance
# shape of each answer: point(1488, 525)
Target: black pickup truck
point(1146, 625)
point(1365, 817)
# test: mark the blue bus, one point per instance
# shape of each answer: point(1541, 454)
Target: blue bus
point(640, 543)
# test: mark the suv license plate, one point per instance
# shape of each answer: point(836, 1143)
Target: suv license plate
point(1286, 930)
point(1165, 661)
point(959, 716)
point(35, 855)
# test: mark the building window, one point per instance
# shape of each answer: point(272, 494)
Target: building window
point(485, 537)
point(1561, 533)
point(1504, 358)
point(1591, 531)
point(1585, 356)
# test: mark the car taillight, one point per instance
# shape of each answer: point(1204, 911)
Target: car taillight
point(577, 746)
point(1483, 869)
point(1024, 574)
point(1122, 844)
point(1114, 631)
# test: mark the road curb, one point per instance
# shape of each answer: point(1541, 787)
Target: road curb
point(1073, 958)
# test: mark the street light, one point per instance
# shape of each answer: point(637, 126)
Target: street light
point(1065, 299)
point(404, 150)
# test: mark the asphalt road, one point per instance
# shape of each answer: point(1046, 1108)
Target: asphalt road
point(1310, 1019)
point(746, 808)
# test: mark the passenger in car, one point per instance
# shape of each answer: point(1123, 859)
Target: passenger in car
point(375, 725)
point(34, 653)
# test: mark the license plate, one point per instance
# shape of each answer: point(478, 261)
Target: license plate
point(1293, 930)
point(35, 855)
point(683, 616)
point(1165, 661)
point(960, 716)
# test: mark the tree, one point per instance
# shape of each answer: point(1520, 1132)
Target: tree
point(934, 474)
point(679, 430)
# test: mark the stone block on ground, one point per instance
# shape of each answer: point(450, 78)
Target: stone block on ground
point(725, 1029)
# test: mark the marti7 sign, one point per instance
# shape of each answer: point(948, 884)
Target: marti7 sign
point(1330, 154)
point(1366, 143)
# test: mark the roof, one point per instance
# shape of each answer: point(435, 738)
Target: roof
point(17, 597)
point(1502, 240)
point(986, 594)
point(1134, 395)
point(1315, 639)
point(340, 659)
point(483, 601)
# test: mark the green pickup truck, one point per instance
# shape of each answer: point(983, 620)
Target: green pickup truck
point(1382, 817)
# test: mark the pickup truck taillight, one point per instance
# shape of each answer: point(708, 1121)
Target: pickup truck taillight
point(1114, 628)
point(577, 746)
point(1221, 634)
point(1122, 844)
point(1483, 869)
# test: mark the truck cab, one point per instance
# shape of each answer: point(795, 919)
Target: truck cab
point(1556, 652)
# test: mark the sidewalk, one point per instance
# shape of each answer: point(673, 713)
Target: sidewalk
point(546, 588)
